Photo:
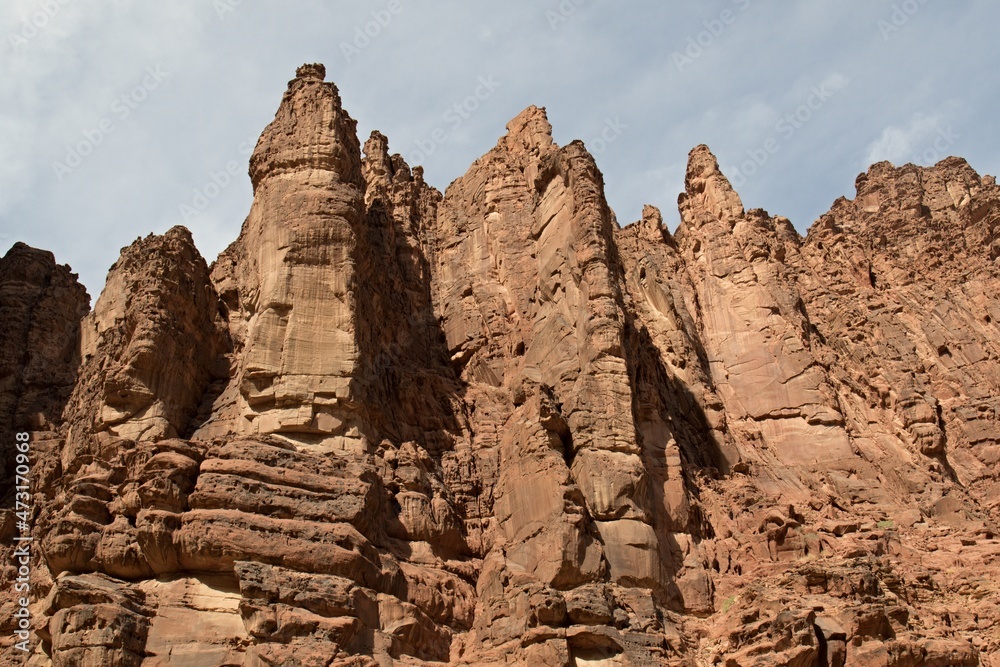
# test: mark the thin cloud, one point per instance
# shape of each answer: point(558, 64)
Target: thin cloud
point(601, 66)
point(901, 143)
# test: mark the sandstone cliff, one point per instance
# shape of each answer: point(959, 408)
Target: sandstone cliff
point(394, 426)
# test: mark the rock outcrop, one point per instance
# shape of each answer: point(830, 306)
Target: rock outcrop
point(394, 426)
point(41, 305)
point(150, 348)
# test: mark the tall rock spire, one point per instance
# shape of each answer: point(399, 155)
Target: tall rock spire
point(289, 279)
point(706, 190)
point(767, 375)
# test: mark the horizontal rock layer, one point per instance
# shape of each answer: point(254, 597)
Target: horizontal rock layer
point(394, 426)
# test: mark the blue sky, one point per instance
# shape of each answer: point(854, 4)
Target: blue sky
point(123, 118)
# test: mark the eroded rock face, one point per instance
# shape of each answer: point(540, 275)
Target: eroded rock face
point(391, 426)
point(755, 329)
point(289, 279)
point(909, 275)
point(41, 304)
point(150, 348)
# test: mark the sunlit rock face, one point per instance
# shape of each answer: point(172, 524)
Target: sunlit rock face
point(391, 426)
point(289, 280)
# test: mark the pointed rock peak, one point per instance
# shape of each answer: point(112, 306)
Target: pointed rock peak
point(376, 154)
point(418, 174)
point(786, 230)
point(532, 116)
point(310, 77)
point(703, 171)
point(530, 130)
point(652, 224)
point(310, 131)
point(651, 216)
point(181, 233)
point(377, 145)
point(379, 168)
point(706, 189)
point(314, 71)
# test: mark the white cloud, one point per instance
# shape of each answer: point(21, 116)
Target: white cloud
point(835, 81)
point(603, 62)
point(901, 144)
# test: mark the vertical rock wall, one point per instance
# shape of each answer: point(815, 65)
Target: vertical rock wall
point(394, 426)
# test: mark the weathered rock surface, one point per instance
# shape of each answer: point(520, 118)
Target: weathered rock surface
point(150, 348)
point(41, 304)
point(394, 426)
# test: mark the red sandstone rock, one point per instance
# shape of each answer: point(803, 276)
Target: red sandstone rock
point(391, 426)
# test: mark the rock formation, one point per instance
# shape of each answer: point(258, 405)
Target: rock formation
point(390, 426)
point(41, 304)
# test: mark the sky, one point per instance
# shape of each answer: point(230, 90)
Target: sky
point(123, 118)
